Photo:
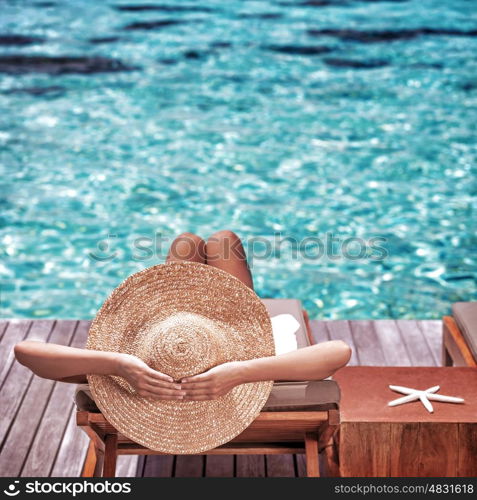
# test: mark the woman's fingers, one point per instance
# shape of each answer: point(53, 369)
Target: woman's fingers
point(161, 390)
point(201, 377)
point(210, 386)
point(196, 385)
point(200, 380)
point(161, 383)
point(150, 391)
point(158, 375)
point(201, 390)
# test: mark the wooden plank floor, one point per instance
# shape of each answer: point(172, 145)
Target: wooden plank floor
point(38, 435)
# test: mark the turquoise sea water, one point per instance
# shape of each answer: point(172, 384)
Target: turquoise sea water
point(275, 119)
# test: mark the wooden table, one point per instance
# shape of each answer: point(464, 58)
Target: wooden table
point(406, 440)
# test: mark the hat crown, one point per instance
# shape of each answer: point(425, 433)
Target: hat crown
point(184, 344)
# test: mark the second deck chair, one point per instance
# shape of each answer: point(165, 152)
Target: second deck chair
point(459, 336)
point(299, 417)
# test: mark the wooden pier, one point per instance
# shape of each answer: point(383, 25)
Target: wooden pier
point(39, 437)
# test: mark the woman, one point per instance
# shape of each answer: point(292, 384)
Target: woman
point(225, 251)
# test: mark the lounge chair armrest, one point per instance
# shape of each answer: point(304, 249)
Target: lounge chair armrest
point(465, 315)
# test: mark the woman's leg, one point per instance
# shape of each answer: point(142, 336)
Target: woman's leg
point(187, 246)
point(225, 251)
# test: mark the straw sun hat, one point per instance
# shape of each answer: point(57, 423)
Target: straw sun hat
point(181, 318)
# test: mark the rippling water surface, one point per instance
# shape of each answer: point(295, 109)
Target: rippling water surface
point(275, 119)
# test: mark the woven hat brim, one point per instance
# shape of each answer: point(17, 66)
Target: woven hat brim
point(181, 427)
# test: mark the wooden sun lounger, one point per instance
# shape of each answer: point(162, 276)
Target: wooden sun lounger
point(459, 342)
point(299, 417)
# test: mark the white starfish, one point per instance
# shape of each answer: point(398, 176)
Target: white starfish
point(424, 396)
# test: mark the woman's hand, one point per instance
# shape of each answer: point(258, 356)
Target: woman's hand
point(146, 381)
point(213, 383)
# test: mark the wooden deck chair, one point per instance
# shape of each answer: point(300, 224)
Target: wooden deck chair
point(299, 417)
point(459, 336)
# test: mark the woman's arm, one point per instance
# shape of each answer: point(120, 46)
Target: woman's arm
point(71, 364)
point(309, 363)
point(59, 362)
point(315, 362)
